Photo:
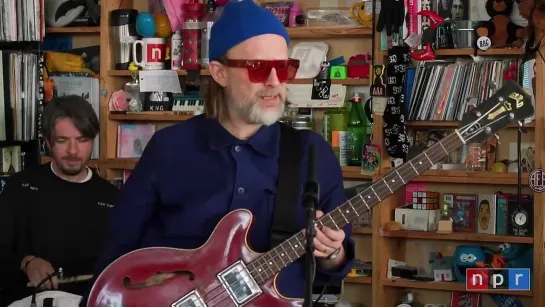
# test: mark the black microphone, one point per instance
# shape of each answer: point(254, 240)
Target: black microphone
point(311, 197)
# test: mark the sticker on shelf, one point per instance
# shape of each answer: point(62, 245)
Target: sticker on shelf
point(536, 180)
point(484, 43)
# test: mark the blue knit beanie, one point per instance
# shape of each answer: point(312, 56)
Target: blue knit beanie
point(240, 21)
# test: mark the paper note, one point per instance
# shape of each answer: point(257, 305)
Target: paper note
point(159, 81)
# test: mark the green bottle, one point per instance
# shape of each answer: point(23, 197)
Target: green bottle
point(335, 131)
point(356, 131)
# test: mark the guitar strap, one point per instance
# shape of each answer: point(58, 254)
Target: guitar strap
point(287, 189)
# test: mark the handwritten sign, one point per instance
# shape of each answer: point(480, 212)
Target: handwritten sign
point(321, 89)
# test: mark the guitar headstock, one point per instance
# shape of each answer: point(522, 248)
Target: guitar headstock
point(510, 104)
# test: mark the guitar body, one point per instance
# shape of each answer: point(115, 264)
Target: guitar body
point(162, 276)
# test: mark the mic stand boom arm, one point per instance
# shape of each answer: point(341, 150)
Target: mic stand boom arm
point(311, 196)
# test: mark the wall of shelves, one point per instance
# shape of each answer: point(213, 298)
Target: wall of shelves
point(372, 243)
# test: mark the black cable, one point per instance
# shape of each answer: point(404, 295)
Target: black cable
point(320, 296)
point(37, 288)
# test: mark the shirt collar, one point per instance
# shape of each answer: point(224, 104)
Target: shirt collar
point(265, 140)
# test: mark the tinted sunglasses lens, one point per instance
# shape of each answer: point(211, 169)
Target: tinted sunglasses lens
point(259, 75)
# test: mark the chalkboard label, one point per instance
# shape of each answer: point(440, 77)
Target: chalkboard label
point(321, 89)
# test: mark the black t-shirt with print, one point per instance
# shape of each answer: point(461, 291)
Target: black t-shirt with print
point(60, 221)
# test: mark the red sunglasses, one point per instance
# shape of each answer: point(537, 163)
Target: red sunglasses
point(260, 70)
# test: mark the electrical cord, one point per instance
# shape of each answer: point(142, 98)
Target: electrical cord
point(320, 296)
point(37, 288)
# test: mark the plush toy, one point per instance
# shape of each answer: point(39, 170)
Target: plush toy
point(534, 12)
point(468, 256)
point(501, 31)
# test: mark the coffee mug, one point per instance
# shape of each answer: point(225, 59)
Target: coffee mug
point(153, 53)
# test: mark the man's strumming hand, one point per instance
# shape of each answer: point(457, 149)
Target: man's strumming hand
point(37, 269)
point(326, 244)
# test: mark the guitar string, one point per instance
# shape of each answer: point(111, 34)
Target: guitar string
point(434, 154)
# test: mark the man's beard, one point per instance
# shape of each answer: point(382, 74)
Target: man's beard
point(251, 111)
point(70, 171)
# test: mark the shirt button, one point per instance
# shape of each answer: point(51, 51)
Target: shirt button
point(238, 148)
point(240, 190)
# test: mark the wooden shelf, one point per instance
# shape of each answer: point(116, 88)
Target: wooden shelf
point(74, 30)
point(366, 280)
point(120, 163)
point(149, 116)
point(360, 82)
point(448, 123)
point(362, 230)
point(353, 172)
point(445, 286)
point(127, 73)
point(328, 32)
point(205, 72)
point(469, 51)
point(457, 236)
point(472, 177)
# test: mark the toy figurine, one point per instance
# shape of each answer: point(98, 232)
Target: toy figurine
point(468, 256)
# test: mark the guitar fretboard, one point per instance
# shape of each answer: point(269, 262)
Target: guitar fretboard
point(272, 262)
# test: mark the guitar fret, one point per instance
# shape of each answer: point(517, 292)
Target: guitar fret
point(375, 193)
point(398, 175)
point(271, 262)
point(287, 253)
point(280, 257)
point(444, 148)
point(343, 215)
point(331, 218)
point(431, 162)
point(363, 199)
point(387, 185)
point(417, 173)
point(354, 209)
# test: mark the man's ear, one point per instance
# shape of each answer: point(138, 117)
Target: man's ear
point(219, 72)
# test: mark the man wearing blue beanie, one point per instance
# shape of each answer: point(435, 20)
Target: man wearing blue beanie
point(193, 174)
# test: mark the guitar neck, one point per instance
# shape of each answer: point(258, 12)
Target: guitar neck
point(272, 262)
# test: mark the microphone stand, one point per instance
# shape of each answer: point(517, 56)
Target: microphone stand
point(311, 195)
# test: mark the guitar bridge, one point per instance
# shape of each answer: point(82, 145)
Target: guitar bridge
point(239, 283)
point(192, 299)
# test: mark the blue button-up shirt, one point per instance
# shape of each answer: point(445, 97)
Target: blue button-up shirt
point(194, 173)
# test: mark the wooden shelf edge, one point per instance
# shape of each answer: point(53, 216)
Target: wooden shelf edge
point(446, 286)
point(367, 280)
point(74, 30)
point(127, 73)
point(450, 123)
point(457, 236)
point(470, 51)
point(354, 173)
point(315, 32)
point(359, 82)
point(149, 116)
point(362, 230)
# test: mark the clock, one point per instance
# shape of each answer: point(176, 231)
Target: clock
point(520, 218)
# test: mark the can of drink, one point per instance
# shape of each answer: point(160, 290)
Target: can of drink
point(325, 68)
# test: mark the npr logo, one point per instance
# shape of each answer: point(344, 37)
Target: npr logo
point(498, 279)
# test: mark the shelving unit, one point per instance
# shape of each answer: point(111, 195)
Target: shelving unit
point(413, 246)
point(371, 243)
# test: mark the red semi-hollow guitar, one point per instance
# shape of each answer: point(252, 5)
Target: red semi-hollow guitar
point(226, 272)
